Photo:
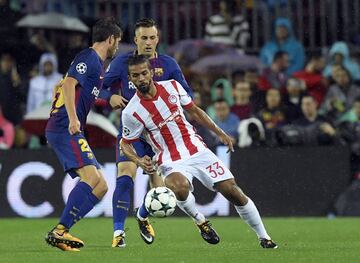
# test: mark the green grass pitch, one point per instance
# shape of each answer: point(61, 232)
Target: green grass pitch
point(177, 240)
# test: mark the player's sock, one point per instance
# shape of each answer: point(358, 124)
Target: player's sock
point(121, 200)
point(252, 217)
point(91, 201)
point(77, 198)
point(189, 208)
point(142, 213)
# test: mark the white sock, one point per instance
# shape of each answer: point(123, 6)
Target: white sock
point(118, 232)
point(251, 216)
point(189, 208)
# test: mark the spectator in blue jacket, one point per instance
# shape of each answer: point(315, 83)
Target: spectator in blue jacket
point(339, 55)
point(284, 40)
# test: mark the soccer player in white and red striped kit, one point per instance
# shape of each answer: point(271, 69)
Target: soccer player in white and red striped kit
point(156, 111)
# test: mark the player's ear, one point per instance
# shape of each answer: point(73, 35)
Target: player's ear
point(111, 39)
point(135, 40)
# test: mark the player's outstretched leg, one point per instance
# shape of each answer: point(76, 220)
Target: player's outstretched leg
point(246, 209)
point(80, 201)
point(121, 204)
point(180, 185)
point(147, 232)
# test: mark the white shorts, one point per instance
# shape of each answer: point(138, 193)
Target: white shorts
point(205, 166)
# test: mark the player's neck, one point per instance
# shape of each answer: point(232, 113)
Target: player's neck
point(101, 50)
point(152, 92)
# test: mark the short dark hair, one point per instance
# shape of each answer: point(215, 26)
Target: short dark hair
point(105, 28)
point(145, 22)
point(307, 95)
point(278, 55)
point(138, 59)
point(221, 100)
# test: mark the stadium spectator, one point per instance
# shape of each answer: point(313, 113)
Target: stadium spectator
point(316, 84)
point(10, 89)
point(242, 106)
point(221, 89)
point(7, 132)
point(317, 129)
point(283, 40)
point(275, 76)
point(41, 87)
point(340, 96)
point(339, 55)
point(251, 133)
point(225, 119)
point(228, 26)
point(292, 98)
point(75, 42)
point(272, 116)
point(8, 30)
point(349, 130)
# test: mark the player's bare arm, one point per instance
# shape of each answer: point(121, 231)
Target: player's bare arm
point(117, 101)
point(144, 162)
point(69, 98)
point(203, 119)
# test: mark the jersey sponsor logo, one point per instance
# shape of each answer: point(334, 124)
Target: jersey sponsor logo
point(81, 68)
point(131, 85)
point(174, 116)
point(95, 92)
point(158, 72)
point(126, 131)
point(173, 99)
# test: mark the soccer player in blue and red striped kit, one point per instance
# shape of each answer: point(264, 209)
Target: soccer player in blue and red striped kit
point(73, 99)
point(164, 68)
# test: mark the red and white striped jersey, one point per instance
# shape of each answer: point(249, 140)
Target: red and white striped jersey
point(162, 121)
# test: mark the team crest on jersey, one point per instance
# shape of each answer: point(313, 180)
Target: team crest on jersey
point(158, 72)
point(126, 131)
point(173, 99)
point(81, 68)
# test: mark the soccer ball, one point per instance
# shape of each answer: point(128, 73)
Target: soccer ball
point(160, 202)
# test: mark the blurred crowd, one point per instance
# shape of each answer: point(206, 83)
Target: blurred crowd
point(281, 96)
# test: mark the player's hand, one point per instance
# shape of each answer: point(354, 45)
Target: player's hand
point(227, 140)
point(74, 126)
point(147, 165)
point(117, 102)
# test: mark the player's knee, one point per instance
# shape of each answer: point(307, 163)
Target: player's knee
point(179, 185)
point(89, 175)
point(103, 188)
point(232, 192)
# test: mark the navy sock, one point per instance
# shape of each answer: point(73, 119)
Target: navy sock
point(121, 201)
point(142, 211)
point(77, 198)
point(91, 201)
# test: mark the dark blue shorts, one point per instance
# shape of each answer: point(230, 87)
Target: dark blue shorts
point(141, 147)
point(73, 151)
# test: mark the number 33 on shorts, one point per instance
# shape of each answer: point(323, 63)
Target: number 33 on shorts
point(215, 170)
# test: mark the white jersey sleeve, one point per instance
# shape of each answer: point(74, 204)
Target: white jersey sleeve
point(185, 99)
point(131, 127)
